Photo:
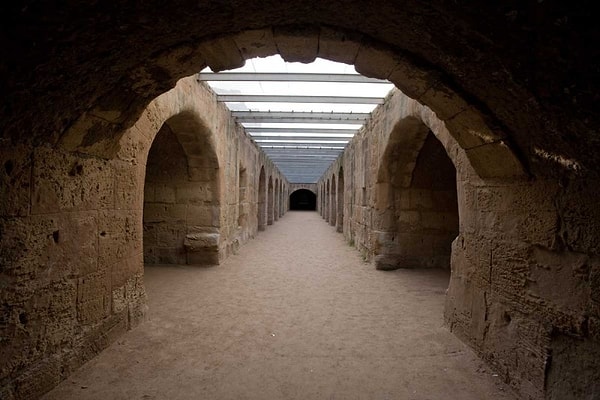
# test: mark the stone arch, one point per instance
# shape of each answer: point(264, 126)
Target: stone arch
point(333, 202)
point(487, 148)
point(243, 203)
point(276, 201)
point(340, 203)
point(323, 201)
point(181, 218)
point(303, 199)
point(281, 198)
point(262, 200)
point(416, 199)
point(327, 200)
point(270, 201)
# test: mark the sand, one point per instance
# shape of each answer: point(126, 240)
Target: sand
point(296, 314)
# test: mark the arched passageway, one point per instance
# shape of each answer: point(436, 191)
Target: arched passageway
point(276, 200)
point(181, 204)
point(418, 198)
point(262, 200)
point(333, 202)
point(303, 199)
point(243, 204)
point(270, 201)
point(80, 113)
point(340, 200)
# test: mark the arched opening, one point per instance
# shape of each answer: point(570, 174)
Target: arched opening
point(327, 201)
point(243, 205)
point(276, 201)
point(282, 198)
point(303, 200)
point(417, 199)
point(333, 202)
point(181, 197)
point(270, 201)
point(340, 201)
point(262, 200)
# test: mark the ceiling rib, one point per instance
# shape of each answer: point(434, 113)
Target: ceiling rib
point(302, 139)
point(338, 116)
point(258, 131)
point(265, 98)
point(285, 77)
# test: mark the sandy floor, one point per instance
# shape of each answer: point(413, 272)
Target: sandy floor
point(295, 315)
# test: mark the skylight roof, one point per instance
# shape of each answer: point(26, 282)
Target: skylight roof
point(301, 115)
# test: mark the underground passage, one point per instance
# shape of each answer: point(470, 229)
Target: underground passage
point(300, 200)
point(303, 199)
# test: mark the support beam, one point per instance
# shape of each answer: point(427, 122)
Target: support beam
point(264, 98)
point(340, 116)
point(286, 77)
point(298, 140)
point(257, 131)
point(304, 147)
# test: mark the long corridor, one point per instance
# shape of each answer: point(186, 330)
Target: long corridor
point(296, 314)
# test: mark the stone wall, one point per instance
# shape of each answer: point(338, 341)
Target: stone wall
point(74, 84)
point(523, 273)
point(71, 255)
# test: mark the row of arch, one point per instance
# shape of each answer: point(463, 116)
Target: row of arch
point(331, 199)
point(404, 212)
point(190, 213)
point(271, 200)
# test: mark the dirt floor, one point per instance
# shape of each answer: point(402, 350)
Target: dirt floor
point(296, 314)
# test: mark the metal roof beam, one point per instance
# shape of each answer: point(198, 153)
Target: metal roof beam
point(294, 140)
point(303, 159)
point(303, 147)
point(287, 139)
point(255, 131)
point(286, 77)
point(307, 155)
point(293, 120)
point(359, 117)
point(264, 98)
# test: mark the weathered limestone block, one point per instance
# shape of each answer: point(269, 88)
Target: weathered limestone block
point(123, 270)
point(201, 241)
point(129, 185)
point(93, 300)
point(201, 174)
point(38, 380)
point(297, 44)
point(193, 193)
point(338, 46)
point(202, 215)
point(375, 62)
point(65, 182)
point(572, 374)
point(221, 54)
point(162, 194)
point(412, 81)
point(120, 236)
point(256, 43)
point(495, 160)
point(49, 247)
point(15, 179)
point(157, 212)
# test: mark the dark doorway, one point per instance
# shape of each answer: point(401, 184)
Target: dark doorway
point(303, 199)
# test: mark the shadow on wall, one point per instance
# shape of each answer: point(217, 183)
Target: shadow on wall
point(181, 210)
point(304, 200)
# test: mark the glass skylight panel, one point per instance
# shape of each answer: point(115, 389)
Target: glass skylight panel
point(302, 145)
point(300, 107)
